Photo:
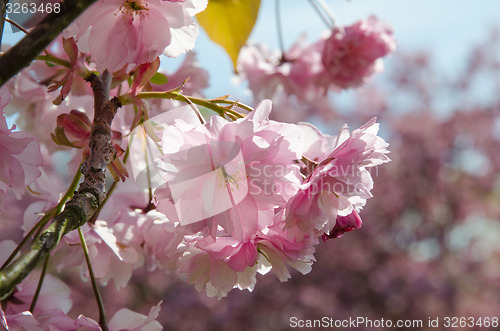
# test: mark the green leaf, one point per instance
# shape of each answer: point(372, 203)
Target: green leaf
point(159, 79)
point(229, 23)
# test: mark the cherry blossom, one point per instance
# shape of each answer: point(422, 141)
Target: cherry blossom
point(125, 319)
point(338, 186)
point(33, 102)
point(114, 249)
point(54, 319)
point(295, 72)
point(238, 152)
point(20, 156)
point(120, 33)
point(54, 295)
point(352, 54)
point(284, 215)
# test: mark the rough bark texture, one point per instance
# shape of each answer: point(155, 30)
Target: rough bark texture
point(85, 202)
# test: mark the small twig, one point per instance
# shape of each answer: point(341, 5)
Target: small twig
point(212, 104)
point(53, 59)
point(25, 51)
point(17, 25)
point(280, 31)
point(95, 288)
point(40, 283)
point(193, 107)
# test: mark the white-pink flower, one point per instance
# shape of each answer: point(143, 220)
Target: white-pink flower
point(20, 156)
point(353, 54)
point(114, 242)
point(55, 319)
point(225, 263)
point(339, 183)
point(294, 72)
point(208, 270)
point(125, 33)
point(126, 319)
point(235, 173)
point(54, 295)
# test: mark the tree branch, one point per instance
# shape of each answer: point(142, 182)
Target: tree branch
point(85, 202)
point(25, 51)
point(3, 10)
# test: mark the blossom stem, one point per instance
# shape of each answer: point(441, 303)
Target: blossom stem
point(17, 25)
point(279, 30)
point(193, 106)
point(54, 59)
point(40, 283)
point(212, 104)
point(97, 294)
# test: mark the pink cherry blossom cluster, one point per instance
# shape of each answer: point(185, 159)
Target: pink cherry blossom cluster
point(253, 195)
point(347, 58)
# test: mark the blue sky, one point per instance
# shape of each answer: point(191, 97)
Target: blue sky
point(446, 28)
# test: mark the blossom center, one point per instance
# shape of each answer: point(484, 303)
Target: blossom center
point(132, 7)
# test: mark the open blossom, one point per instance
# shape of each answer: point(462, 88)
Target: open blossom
point(338, 186)
point(54, 295)
point(123, 33)
point(353, 54)
point(53, 304)
point(293, 72)
point(225, 263)
point(115, 249)
point(20, 156)
point(51, 313)
point(237, 172)
point(246, 171)
point(126, 319)
point(235, 191)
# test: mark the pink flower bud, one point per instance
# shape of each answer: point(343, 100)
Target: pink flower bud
point(72, 129)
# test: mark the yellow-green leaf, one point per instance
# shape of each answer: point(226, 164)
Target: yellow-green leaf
point(229, 23)
point(159, 79)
